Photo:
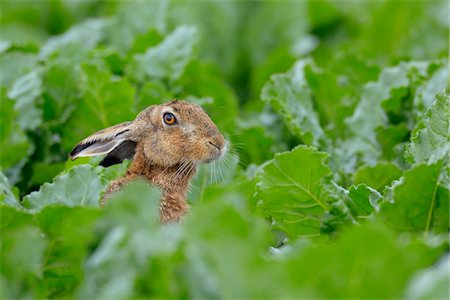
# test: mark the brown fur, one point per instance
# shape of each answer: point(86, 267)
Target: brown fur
point(166, 156)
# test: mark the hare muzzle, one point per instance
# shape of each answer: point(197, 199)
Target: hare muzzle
point(217, 148)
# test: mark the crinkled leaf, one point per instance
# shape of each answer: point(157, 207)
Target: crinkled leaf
point(291, 98)
point(74, 43)
point(336, 84)
point(80, 186)
point(168, 59)
point(7, 194)
point(417, 202)
point(26, 92)
point(291, 190)
point(425, 94)
point(364, 198)
point(369, 114)
point(14, 65)
point(432, 143)
point(378, 176)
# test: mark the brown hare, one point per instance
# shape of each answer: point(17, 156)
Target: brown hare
point(166, 143)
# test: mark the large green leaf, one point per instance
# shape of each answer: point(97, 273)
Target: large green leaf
point(14, 65)
point(336, 84)
point(210, 91)
point(69, 231)
point(221, 258)
point(26, 92)
point(22, 250)
point(80, 186)
point(134, 18)
point(14, 144)
point(355, 265)
point(75, 43)
point(392, 84)
point(418, 201)
point(168, 59)
point(128, 239)
point(106, 101)
point(431, 283)
point(432, 143)
point(378, 176)
point(292, 99)
point(291, 190)
point(64, 84)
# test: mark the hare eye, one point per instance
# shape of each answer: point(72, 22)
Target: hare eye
point(169, 119)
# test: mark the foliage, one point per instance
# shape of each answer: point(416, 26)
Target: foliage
point(338, 174)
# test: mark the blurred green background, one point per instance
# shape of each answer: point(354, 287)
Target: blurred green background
point(357, 90)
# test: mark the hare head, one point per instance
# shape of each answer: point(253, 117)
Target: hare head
point(168, 134)
point(166, 143)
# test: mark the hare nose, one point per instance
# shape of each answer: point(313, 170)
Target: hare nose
point(214, 145)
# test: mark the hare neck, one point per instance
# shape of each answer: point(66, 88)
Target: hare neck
point(174, 182)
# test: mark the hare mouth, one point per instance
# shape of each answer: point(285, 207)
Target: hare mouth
point(216, 152)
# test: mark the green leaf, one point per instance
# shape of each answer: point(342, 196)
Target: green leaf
point(64, 84)
point(168, 59)
point(14, 65)
point(22, 253)
point(204, 82)
point(291, 190)
point(336, 84)
point(80, 186)
point(390, 138)
point(152, 92)
point(106, 102)
point(14, 143)
point(426, 93)
point(69, 231)
point(7, 194)
point(291, 98)
point(133, 19)
point(432, 143)
point(378, 176)
point(128, 239)
point(364, 199)
point(417, 202)
point(257, 145)
point(355, 265)
point(75, 43)
point(223, 262)
point(431, 283)
point(26, 92)
point(369, 114)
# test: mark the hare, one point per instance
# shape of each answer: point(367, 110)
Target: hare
point(166, 143)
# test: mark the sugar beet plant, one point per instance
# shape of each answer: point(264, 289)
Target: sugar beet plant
point(336, 185)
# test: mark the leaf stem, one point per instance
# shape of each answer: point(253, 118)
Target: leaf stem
point(430, 210)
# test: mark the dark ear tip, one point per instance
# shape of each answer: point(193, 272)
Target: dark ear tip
point(73, 153)
point(78, 148)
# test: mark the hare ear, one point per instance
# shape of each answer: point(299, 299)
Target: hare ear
point(105, 141)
